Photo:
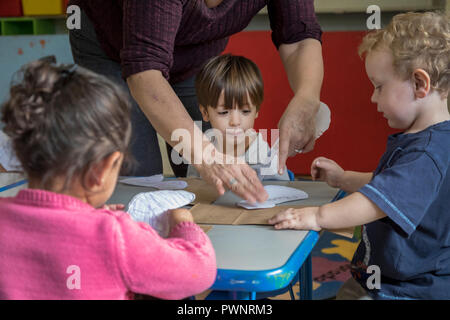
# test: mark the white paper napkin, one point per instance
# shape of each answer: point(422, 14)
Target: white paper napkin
point(156, 182)
point(277, 194)
point(153, 207)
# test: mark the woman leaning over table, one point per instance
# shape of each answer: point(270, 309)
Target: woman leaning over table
point(156, 48)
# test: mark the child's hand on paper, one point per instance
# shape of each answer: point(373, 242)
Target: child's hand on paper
point(179, 215)
point(302, 219)
point(327, 170)
point(113, 207)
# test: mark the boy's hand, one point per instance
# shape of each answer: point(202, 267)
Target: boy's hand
point(327, 170)
point(302, 219)
point(179, 215)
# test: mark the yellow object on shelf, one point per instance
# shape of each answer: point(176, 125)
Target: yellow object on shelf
point(42, 7)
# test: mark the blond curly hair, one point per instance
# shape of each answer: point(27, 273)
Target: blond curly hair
point(416, 40)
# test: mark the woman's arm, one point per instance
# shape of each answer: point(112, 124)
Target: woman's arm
point(166, 113)
point(162, 107)
point(304, 68)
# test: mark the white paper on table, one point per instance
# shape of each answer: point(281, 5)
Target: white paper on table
point(277, 194)
point(8, 158)
point(157, 182)
point(153, 207)
point(323, 120)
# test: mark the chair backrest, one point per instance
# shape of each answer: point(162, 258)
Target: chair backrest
point(291, 175)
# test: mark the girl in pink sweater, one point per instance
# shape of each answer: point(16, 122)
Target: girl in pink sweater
point(70, 129)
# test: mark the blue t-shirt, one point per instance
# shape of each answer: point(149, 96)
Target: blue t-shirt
point(411, 246)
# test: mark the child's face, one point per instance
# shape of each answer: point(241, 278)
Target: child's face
point(394, 97)
point(232, 123)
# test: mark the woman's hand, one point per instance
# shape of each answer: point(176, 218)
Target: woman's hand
point(303, 63)
point(327, 170)
point(239, 178)
point(297, 128)
point(302, 219)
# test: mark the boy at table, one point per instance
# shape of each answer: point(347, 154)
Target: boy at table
point(230, 92)
point(404, 204)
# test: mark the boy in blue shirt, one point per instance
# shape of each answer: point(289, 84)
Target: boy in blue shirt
point(404, 204)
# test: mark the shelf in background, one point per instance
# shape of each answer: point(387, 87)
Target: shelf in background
point(39, 25)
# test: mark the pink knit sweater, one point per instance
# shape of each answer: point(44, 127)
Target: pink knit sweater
point(54, 246)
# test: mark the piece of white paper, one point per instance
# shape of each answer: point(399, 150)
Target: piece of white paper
point(157, 182)
point(323, 119)
point(277, 194)
point(8, 159)
point(153, 207)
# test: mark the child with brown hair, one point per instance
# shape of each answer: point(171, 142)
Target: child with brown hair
point(70, 129)
point(404, 204)
point(230, 92)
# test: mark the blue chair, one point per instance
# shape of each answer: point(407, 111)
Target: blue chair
point(341, 194)
point(291, 175)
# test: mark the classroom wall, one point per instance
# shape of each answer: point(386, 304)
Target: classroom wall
point(346, 90)
point(16, 51)
point(357, 135)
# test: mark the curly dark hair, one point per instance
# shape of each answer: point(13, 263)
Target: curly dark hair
point(63, 119)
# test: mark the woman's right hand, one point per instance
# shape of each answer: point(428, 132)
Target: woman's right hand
point(239, 178)
point(327, 170)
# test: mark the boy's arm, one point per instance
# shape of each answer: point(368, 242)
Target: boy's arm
point(327, 170)
point(351, 211)
point(352, 181)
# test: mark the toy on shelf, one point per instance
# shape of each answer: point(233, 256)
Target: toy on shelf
point(11, 8)
point(26, 26)
point(43, 7)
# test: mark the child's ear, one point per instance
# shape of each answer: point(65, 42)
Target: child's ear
point(98, 174)
point(256, 115)
point(422, 83)
point(204, 112)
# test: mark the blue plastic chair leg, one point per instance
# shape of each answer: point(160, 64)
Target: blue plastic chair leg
point(305, 278)
point(291, 292)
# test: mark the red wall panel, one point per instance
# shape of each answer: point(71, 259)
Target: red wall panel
point(357, 135)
